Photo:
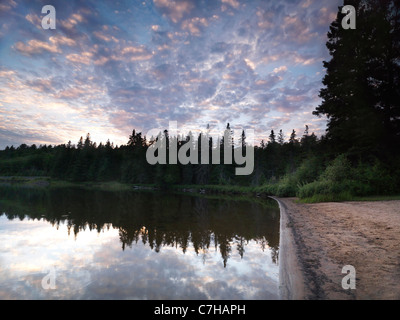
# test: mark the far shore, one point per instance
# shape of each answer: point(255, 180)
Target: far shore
point(322, 238)
point(252, 191)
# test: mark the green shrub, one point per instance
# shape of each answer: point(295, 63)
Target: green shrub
point(343, 196)
point(287, 186)
point(268, 188)
point(333, 184)
point(339, 170)
point(375, 180)
point(308, 171)
point(340, 181)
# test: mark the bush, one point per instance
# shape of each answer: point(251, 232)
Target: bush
point(309, 171)
point(287, 186)
point(340, 181)
point(308, 190)
point(374, 180)
point(339, 170)
point(269, 189)
point(334, 184)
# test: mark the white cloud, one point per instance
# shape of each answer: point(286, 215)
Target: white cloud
point(280, 69)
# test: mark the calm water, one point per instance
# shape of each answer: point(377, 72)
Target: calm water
point(77, 244)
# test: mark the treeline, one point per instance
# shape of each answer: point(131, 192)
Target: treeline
point(87, 161)
point(304, 166)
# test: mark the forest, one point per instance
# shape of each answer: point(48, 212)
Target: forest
point(358, 155)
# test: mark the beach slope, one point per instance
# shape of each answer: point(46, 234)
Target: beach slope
point(325, 237)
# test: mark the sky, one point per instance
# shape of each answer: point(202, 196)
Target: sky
point(113, 66)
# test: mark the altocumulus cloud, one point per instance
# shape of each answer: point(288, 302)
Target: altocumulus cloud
point(110, 67)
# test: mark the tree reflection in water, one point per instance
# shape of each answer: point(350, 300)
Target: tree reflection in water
point(156, 219)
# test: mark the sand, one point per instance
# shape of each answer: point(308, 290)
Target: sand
point(317, 240)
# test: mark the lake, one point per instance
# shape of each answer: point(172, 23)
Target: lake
point(71, 243)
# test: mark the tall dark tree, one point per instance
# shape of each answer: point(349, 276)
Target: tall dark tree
point(281, 139)
point(80, 144)
point(361, 93)
point(272, 138)
point(292, 139)
point(88, 142)
point(242, 140)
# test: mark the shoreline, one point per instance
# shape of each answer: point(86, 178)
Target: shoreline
point(318, 240)
point(291, 280)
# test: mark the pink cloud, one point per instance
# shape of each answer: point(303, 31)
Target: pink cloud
point(194, 25)
point(134, 53)
point(233, 3)
point(36, 47)
point(102, 36)
point(62, 40)
point(72, 21)
point(34, 19)
point(174, 10)
point(82, 58)
point(7, 5)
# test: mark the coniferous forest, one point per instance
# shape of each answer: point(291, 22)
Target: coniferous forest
point(358, 155)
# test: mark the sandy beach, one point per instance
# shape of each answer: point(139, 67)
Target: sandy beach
point(319, 239)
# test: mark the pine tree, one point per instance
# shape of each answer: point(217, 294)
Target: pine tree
point(292, 139)
point(272, 137)
point(242, 140)
point(80, 144)
point(88, 142)
point(281, 139)
point(361, 95)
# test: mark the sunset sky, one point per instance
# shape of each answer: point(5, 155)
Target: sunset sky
point(112, 66)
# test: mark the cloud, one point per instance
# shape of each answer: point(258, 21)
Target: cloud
point(194, 25)
point(233, 3)
point(326, 14)
point(60, 40)
point(250, 63)
point(41, 85)
point(80, 58)
point(7, 5)
point(306, 3)
point(280, 69)
point(197, 62)
point(135, 53)
point(72, 21)
point(102, 36)
point(71, 93)
point(174, 10)
point(34, 19)
point(28, 136)
point(297, 30)
point(34, 47)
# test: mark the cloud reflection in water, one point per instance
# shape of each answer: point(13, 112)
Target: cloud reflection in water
point(91, 264)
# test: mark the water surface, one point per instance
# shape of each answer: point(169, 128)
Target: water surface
point(136, 245)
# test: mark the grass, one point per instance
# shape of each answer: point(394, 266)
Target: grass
point(346, 197)
point(25, 181)
point(377, 198)
point(343, 196)
point(224, 189)
point(106, 186)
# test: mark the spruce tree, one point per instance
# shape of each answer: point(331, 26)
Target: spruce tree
point(361, 94)
point(272, 137)
point(281, 139)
